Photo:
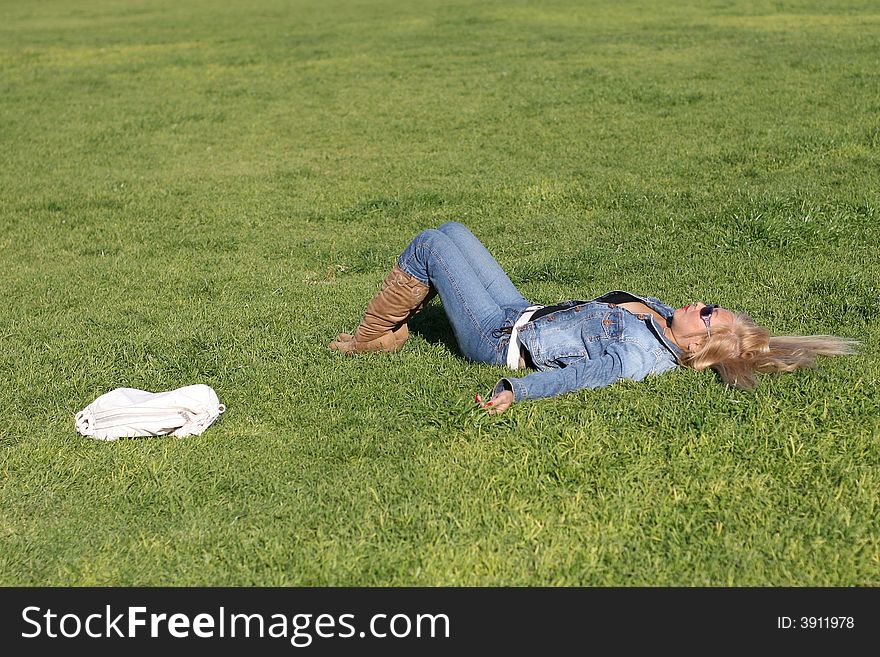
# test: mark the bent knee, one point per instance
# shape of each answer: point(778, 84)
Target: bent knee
point(451, 227)
point(431, 235)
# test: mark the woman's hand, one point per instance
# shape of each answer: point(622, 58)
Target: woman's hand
point(498, 404)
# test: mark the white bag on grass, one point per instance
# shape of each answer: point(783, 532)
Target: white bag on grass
point(128, 412)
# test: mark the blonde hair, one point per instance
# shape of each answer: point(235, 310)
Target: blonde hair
point(739, 351)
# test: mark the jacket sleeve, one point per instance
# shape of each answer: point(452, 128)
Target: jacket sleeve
point(622, 360)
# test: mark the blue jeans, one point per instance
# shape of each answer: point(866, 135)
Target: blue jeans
point(477, 295)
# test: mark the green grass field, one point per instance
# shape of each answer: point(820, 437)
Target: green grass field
point(208, 192)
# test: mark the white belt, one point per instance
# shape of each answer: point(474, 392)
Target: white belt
point(513, 347)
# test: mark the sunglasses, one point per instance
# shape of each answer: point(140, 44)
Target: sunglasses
point(706, 316)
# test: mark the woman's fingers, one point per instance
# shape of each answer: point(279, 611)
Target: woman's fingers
point(498, 404)
point(485, 405)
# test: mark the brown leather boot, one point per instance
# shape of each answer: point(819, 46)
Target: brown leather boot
point(383, 327)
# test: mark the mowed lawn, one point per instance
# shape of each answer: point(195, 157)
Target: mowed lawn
point(208, 192)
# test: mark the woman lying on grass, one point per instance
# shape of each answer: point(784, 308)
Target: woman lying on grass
point(572, 345)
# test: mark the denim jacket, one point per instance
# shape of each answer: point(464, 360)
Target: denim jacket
point(593, 344)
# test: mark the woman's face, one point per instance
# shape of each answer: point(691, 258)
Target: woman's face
point(693, 323)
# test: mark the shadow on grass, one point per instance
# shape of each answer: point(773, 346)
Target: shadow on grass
point(433, 325)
